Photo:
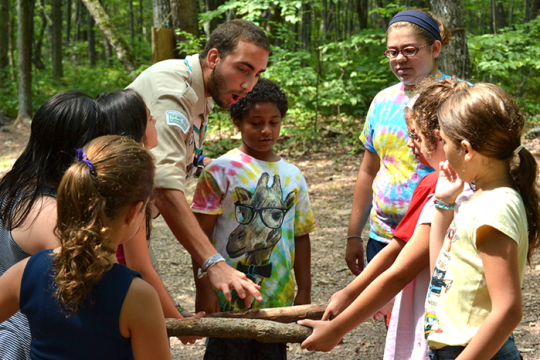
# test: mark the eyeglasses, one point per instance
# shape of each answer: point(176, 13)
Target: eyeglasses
point(272, 217)
point(406, 51)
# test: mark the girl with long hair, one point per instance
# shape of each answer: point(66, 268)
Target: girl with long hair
point(80, 303)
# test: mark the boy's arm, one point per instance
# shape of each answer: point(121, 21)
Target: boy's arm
point(302, 269)
point(205, 298)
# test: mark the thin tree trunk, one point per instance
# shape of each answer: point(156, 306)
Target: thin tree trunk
point(260, 330)
point(56, 39)
point(68, 23)
point(36, 54)
point(454, 58)
point(12, 45)
point(91, 37)
point(132, 24)
point(535, 9)
point(305, 26)
point(24, 62)
point(4, 39)
point(362, 11)
point(500, 15)
point(210, 5)
point(324, 22)
point(123, 52)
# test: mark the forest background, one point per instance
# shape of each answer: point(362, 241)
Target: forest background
point(326, 54)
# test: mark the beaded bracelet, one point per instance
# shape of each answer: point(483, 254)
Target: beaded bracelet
point(439, 204)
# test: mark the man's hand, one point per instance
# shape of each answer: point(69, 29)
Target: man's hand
point(224, 278)
point(354, 255)
point(206, 300)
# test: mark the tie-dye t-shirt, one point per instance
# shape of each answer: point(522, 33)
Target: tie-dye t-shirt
point(260, 206)
point(385, 134)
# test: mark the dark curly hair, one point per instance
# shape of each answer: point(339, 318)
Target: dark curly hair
point(264, 91)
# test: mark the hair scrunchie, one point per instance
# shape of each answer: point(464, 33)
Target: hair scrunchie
point(419, 18)
point(81, 157)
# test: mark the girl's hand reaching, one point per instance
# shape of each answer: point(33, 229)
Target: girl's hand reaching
point(449, 185)
point(324, 337)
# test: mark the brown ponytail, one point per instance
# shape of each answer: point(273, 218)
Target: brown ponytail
point(121, 174)
point(489, 118)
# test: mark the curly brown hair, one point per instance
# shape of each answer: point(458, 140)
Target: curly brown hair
point(422, 33)
point(122, 174)
point(490, 120)
point(431, 94)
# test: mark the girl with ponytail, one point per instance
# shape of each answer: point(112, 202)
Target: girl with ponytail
point(80, 303)
point(474, 301)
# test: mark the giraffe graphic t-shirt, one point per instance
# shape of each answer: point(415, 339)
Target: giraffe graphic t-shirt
point(261, 207)
point(385, 134)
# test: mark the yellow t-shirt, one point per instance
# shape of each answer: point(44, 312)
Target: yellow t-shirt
point(458, 299)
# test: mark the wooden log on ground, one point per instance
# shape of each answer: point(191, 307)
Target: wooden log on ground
point(287, 314)
point(260, 330)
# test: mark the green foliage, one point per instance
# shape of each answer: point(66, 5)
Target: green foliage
point(510, 59)
point(190, 44)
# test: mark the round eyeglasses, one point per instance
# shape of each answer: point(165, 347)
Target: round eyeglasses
point(406, 51)
point(272, 217)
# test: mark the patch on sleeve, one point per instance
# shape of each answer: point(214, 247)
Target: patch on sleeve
point(178, 119)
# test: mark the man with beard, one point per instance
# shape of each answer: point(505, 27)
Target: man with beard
point(180, 94)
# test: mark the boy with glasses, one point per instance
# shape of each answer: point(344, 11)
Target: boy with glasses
point(254, 207)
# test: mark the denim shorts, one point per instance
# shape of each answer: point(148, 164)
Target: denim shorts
point(508, 351)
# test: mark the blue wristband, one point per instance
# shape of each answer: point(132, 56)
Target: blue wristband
point(208, 263)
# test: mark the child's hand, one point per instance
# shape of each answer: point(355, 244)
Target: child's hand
point(449, 185)
point(385, 310)
point(338, 302)
point(324, 337)
point(191, 339)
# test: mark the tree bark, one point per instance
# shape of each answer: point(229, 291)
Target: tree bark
point(68, 23)
point(24, 62)
point(38, 43)
point(283, 314)
point(56, 39)
point(185, 17)
point(91, 38)
point(362, 11)
point(161, 10)
point(260, 330)
point(4, 39)
point(132, 24)
point(454, 58)
point(12, 45)
point(305, 26)
point(123, 52)
point(210, 5)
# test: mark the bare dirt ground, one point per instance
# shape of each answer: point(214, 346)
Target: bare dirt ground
point(331, 176)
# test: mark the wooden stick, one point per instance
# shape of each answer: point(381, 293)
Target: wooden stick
point(260, 330)
point(283, 314)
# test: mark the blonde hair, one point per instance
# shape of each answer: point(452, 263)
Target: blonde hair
point(489, 119)
point(422, 33)
point(122, 174)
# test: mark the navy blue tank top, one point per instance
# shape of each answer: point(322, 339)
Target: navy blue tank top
point(93, 332)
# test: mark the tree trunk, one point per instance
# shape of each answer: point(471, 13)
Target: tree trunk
point(123, 52)
point(12, 45)
point(500, 15)
point(161, 10)
point(184, 15)
point(535, 8)
point(68, 23)
point(260, 330)
point(56, 39)
point(91, 38)
point(305, 26)
point(4, 39)
point(210, 5)
point(24, 62)
point(454, 58)
point(38, 44)
point(282, 314)
point(362, 11)
point(132, 24)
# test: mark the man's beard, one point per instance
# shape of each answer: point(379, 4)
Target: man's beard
point(216, 85)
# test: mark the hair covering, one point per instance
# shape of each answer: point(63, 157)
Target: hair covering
point(419, 18)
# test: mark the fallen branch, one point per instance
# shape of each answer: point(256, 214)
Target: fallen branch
point(260, 330)
point(283, 314)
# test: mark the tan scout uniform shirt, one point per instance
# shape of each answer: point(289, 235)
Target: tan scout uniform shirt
point(175, 96)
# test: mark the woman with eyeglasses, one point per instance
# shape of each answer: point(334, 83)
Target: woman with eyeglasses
point(390, 172)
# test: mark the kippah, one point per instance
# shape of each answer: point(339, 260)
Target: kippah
point(419, 18)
